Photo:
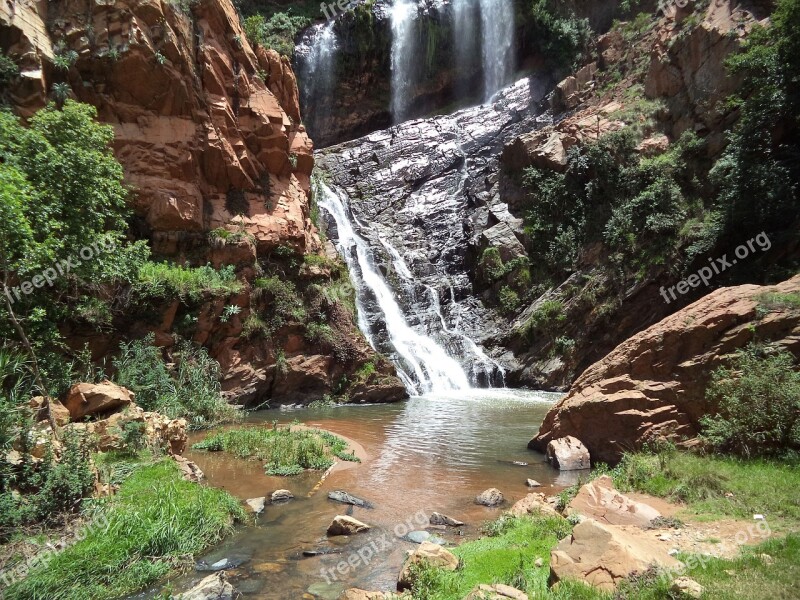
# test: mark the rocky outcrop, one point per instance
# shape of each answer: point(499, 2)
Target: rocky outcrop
point(602, 555)
point(599, 500)
point(652, 386)
point(533, 504)
point(87, 399)
point(209, 132)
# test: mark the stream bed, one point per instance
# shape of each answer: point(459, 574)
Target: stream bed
point(431, 453)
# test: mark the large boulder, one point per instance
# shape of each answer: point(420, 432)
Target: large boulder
point(87, 399)
point(440, 519)
point(430, 554)
point(533, 504)
point(490, 497)
point(653, 386)
point(213, 587)
point(344, 525)
point(600, 501)
point(58, 412)
point(602, 555)
point(568, 454)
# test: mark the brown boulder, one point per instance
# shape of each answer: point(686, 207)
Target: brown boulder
point(568, 454)
point(602, 555)
point(599, 500)
point(652, 386)
point(533, 504)
point(213, 587)
point(428, 553)
point(344, 525)
point(58, 411)
point(85, 399)
point(189, 470)
point(490, 497)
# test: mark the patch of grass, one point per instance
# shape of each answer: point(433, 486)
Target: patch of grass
point(155, 521)
point(159, 280)
point(773, 301)
point(761, 486)
point(283, 450)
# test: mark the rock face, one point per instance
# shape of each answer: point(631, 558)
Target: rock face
point(652, 386)
point(599, 500)
point(601, 555)
point(568, 454)
point(209, 132)
point(490, 497)
point(431, 554)
point(344, 525)
point(85, 399)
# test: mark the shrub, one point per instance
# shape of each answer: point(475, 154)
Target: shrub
point(160, 280)
point(284, 301)
point(758, 399)
point(277, 33)
point(509, 300)
point(546, 318)
point(67, 482)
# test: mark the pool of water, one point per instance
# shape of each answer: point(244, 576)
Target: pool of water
point(431, 453)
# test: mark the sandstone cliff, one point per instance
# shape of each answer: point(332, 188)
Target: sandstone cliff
point(209, 133)
point(652, 386)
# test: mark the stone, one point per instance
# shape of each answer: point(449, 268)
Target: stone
point(344, 525)
point(189, 470)
point(497, 591)
point(568, 454)
point(256, 505)
point(652, 387)
point(687, 587)
point(359, 594)
point(533, 504)
point(440, 519)
point(213, 587)
point(490, 497)
point(345, 498)
point(602, 555)
point(538, 563)
point(58, 411)
point(428, 553)
point(532, 483)
point(281, 496)
point(600, 501)
point(88, 399)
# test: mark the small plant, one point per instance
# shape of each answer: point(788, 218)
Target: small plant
point(509, 300)
point(293, 160)
point(113, 54)
point(238, 42)
point(160, 59)
point(229, 311)
point(65, 60)
point(61, 92)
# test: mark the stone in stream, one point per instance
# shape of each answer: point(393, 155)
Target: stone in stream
point(533, 483)
point(568, 454)
point(213, 587)
point(345, 498)
point(418, 536)
point(220, 565)
point(256, 504)
point(344, 525)
point(326, 591)
point(440, 519)
point(281, 496)
point(490, 497)
point(323, 551)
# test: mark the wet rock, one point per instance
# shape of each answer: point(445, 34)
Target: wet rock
point(687, 587)
point(213, 587)
point(532, 504)
point(532, 483)
point(219, 565)
point(490, 497)
point(256, 504)
point(600, 501)
point(326, 591)
point(322, 551)
point(358, 594)
point(497, 591)
point(345, 498)
point(189, 470)
point(440, 519)
point(281, 496)
point(568, 454)
point(428, 553)
point(86, 399)
point(344, 525)
point(420, 536)
point(602, 555)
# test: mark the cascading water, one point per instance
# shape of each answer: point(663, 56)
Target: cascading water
point(423, 365)
point(317, 71)
point(404, 55)
point(497, 41)
point(465, 33)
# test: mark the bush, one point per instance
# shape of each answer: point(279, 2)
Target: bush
point(163, 280)
point(67, 482)
point(277, 33)
point(758, 399)
point(284, 301)
point(509, 300)
point(546, 318)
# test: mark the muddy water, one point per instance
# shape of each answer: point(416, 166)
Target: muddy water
point(427, 454)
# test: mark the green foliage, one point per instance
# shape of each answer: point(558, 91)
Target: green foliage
point(165, 280)
point(509, 300)
point(67, 482)
point(8, 70)
point(775, 301)
point(192, 391)
point(278, 32)
point(285, 451)
point(560, 37)
point(546, 319)
point(154, 522)
point(284, 302)
point(758, 399)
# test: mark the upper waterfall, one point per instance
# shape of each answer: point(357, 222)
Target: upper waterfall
point(423, 365)
point(497, 43)
point(404, 51)
point(317, 71)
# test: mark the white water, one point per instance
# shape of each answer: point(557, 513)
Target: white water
point(318, 71)
point(404, 55)
point(425, 367)
point(497, 41)
point(465, 32)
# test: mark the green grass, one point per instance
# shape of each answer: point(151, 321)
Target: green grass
point(164, 279)
point(283, 450)
point(773, 301)
point(155, 522)
point(768, 487)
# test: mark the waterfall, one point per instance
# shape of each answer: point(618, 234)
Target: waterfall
point(423, 365)
point(404, 56)
point(497, 41)
point(465, 34)
point(317, 69)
